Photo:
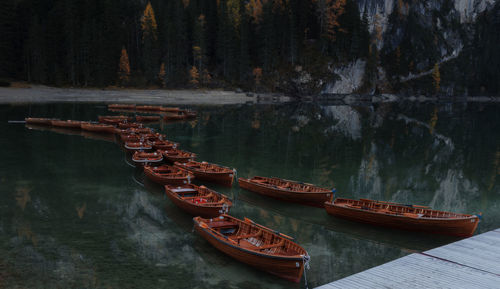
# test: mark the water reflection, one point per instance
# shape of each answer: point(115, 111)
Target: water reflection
point(87, 219)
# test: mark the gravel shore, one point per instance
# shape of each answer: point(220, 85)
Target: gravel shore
point(44, 94)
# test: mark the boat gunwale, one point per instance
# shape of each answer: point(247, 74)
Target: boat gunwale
point(203, 205)
point(183, 166)
point(223, 239)
point(466, 216)
point(285, 190)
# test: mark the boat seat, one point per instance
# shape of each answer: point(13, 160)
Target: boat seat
point(281, 243)
point(183, 190)
point(247, 236)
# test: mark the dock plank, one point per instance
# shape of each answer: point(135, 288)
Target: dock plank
point(468, 263)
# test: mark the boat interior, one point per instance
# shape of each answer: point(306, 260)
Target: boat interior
point(252, 237)
point(203, 166)
point(288, 185)
point(198, 195)
point(396, 209)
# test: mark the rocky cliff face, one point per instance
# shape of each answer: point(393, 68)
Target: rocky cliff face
point(410, 37)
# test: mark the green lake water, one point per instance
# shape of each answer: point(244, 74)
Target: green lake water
point(75, 214)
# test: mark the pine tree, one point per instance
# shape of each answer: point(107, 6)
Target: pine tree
point(124, 68)
point(162, 75)
point(194, 76)
point(149, 40)
point(436, 78)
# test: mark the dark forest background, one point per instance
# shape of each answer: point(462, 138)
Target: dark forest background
point(290, 46)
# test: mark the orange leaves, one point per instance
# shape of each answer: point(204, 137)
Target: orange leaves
point(334, 9)
point(194, 76)
point(162, 74)
point(148, 23)
point(254, 9)
point(257, 74)
point(436, 78)
point(124, 67)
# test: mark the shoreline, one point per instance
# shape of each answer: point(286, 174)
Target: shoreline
point(46, 94)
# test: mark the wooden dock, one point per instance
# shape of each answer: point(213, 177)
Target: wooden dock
point(469, 263)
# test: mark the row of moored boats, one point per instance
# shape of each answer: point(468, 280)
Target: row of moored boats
point(254, 244)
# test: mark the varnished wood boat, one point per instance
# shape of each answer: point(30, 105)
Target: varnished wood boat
point(98, 127)
point(125, 125)
point(163, 144)
point(143, 158)
point(292, 191)
point(148, 107)
point(176, 115)
point(38, 120)
point(175, 155)
point(406, 217)
point(198, 200)
point(114, 119)
point(188, 114)
point(130, 137)
point(209, 172)
point(255, 245)
point(147, 118)
point(152, 136)
point(168, 175)
point(121, 106)
point(133, 130)
point(137, 146)
point(67, 123)
point(169, 109)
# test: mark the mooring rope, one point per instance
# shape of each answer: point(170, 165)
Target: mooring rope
point(305, 260)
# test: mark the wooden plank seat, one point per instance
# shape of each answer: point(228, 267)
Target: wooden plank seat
point(281, 243)
point(183, 190)
point(259, 233)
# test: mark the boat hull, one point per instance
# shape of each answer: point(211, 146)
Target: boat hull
point(162, 180)
point(67, 124)
point(305, 198)
point(98, 128)
point(462, 227)
point(283, 267)
point(193, 209)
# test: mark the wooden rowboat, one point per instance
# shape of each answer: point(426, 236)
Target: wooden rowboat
point(143, 158)
point(38, 120)
point(114, 119)
point(209, 172)
point(134, 130)
point(175, 155)
point(173, 116)
point(121, 106)
point(137, 146)
point(406, 217)
point(198, 201)
point(98, 127)
point(148, 107)
point(169, 109)
point(67, 123)
point(292, 191)
point(163, 144)
point(125, 125)
point(130, 137)
point(147, 118)
point(255, 245)
point(165, 174)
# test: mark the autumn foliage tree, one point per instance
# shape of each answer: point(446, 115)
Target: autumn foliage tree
point(162, 75)
point(124, 68)
point(436, 78)
point(149, 29)
point(194, 76)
